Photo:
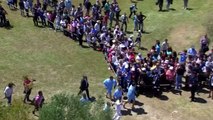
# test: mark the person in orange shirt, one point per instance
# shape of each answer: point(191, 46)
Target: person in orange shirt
point(28, 85)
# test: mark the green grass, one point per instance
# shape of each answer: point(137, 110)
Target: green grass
point(58, 63)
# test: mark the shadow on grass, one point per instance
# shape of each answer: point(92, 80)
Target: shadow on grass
point(145, 32)
point(200, 100)
point(9, 27)
point(126, 112)
point(84, 46)
point(172, 9)
point(129, 32)
point(143, 48)
point(189, 9)
point(92, 99)
point(138, 103)
point(138, 111)
point(163, 97)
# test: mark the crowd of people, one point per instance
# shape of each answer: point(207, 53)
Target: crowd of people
point(162, 65)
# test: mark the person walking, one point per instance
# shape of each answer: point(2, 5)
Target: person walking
point(160, 4)
point(2, 15)
point(141, 19)
point(21, 6)
point(118, 107)
point(38, 101)
point(185, 6)
point(84, 86)
point(138, 39)
point(124, 20)
point(178, 79)
point(169, 2)
point(109, 84)
point(8, 92)
point(135, 21)
point(118, 94)
point(80, 35)
point(28, 85)
point(132, 9)
point(131, 95)
point(193, 85)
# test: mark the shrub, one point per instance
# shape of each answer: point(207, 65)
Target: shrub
point(17, 111)
point(68, 107)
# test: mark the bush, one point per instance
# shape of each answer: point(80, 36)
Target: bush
point(68, 107)
point(17, 111)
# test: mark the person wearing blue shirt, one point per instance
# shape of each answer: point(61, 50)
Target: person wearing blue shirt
point(117, 94)
point(109, 84)
point(183, 57)
point(157, 47)
point(131, 95)
point(191, 53)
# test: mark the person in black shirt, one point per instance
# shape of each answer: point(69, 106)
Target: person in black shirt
point(80, 35)
point(193, 79)
point(160, 4)
point(2, 15)
point(141, 19)
point(21, 6)
point(179, 74)
point(35, 15)
point(84, 86)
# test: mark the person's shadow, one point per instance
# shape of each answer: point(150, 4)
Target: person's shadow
point(92, 99)
point(138, 111)
point(200, 100)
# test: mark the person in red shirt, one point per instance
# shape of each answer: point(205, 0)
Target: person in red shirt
point(105, 19)
point(28, 85)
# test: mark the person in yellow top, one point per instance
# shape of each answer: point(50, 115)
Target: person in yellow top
point(28, 85)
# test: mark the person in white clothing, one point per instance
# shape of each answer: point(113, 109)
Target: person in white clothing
point(165, 45)
point(8, 91)
point(118, 106)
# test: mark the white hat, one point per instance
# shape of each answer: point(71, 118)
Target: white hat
point(171, 67)
point(143, 69)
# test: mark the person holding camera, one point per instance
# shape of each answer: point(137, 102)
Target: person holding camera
point(28, 85)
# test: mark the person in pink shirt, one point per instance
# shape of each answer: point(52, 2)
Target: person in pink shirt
point(38, 101)
point(170, 74)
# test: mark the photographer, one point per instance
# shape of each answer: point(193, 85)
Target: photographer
point(28, 85)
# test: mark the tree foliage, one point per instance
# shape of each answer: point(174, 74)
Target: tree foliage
point(68, 107)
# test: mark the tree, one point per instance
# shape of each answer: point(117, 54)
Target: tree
point(68, 107)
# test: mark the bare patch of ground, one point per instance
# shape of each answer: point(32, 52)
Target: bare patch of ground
point(185, 35)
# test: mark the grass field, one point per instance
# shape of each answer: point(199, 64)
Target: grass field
point(58, 63)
